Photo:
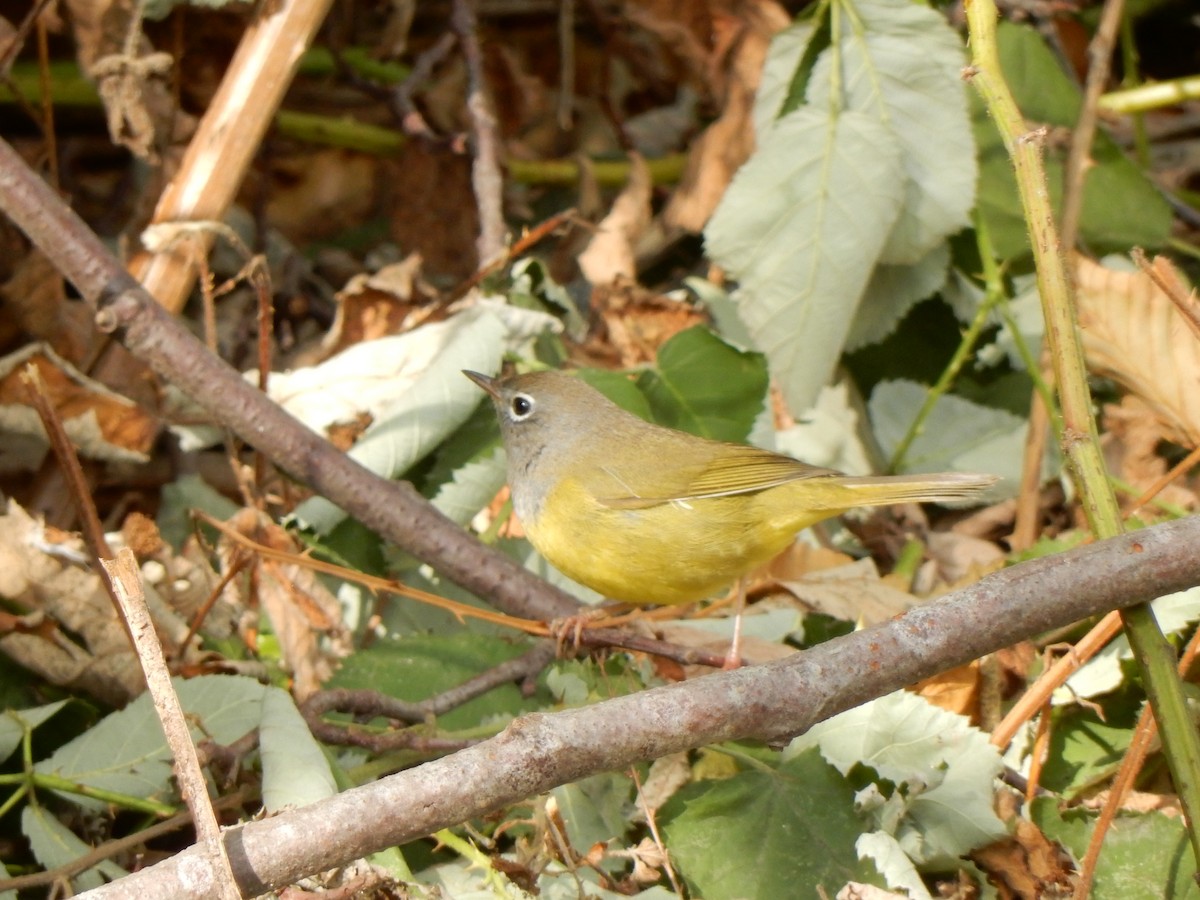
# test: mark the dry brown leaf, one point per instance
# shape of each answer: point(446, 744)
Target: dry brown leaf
point(636, 322)
point(1133, 333)
point(960, 556)
point(372, 306)
point(1132, 433)
point(1138, 802)
point(852, 593)
point(609, 255)
point(101, 424)
point(316, 195)
point(956, 690)
point(1027, 865)
point(69, 634)
point(305, 617)
point(743, 36)
point(35, 300)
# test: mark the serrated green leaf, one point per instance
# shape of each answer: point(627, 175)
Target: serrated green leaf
point(958, 435)
point(901, 63)
point(15, 722)
point(471, 488)
point(704, 386)
point(596, 810)
point(126, 751)
point(54, 845)
point(945, 765)
point(1121, 207)
point(1083, 751)
point(419, 667)
point(767, 834)
point(1146, 856)
point(892, 291)
point(800, 228)
point(295, 770)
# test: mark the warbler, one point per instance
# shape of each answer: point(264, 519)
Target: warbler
point(650, 515)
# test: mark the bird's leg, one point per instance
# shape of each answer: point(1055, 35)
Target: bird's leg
point(569, 630)
point(733, 659)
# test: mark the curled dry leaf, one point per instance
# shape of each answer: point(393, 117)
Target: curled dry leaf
point(609, 255)
point(736, 63)
point(69, 633)
point(101, 424)
point(1134, 334)
point(853, 593)
point(1131, 437)
point(305, 616)
point(372, 306)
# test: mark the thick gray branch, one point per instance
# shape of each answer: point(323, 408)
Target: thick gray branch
point(772, 702)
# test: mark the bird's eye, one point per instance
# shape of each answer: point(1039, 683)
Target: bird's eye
point(522, 406)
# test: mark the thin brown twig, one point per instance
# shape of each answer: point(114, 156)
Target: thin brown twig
point(68, 461)
point(1054, 677)
point(401, 96)
point(126, 582)
point(1176, 471)
point(486, 177)
point(1163, 274)
point(601, 634)
point(771, 702)
point(526, 242)
point(1079, 157)
point(1026, 525)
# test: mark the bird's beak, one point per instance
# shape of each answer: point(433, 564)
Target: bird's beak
point(488, 384)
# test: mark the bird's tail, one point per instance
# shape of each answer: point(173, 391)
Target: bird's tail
point(943, 487)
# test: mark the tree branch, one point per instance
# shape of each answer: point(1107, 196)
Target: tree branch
point(772, 702)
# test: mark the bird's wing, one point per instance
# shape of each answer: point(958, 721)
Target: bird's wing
point(734, 469)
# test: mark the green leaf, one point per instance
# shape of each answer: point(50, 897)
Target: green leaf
point(127, 753)
point(800, 228)
point(1145, 856)
point(958, 435)
point(939, 801)
point(54, 845)
point(1121, 206)
point(471, 488)
point(295, 769)
point(417, 668)
point(767, 834)
point(596, 810)
point(438, 398)
point(901, 63)
point(15, 722)
point(1083, 751)
point(702, 385)
point(894, 290)
point(620, 389)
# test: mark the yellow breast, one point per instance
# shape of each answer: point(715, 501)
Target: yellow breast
point(672, 552)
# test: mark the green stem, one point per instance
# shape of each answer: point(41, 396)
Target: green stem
point(1181, 744)
point(963, 353)
point(1147, 97)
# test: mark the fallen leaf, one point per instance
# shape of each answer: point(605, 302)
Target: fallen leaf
point(852, 593)
point(743, 37)
point(1027, 865)
point(1134, 334)
point(609, 255)
point(101, 424)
